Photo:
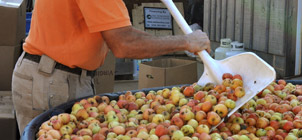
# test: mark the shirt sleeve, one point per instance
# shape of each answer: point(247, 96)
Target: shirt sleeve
point(101, 15)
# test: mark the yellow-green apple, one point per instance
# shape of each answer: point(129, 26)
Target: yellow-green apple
point(187, 130)
point(177, 135)
point(186, 114)
point(193, 123)
point(143, 135)
point(158, 118)
point(230, 104)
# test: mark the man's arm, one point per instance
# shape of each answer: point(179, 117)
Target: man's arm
point(128, 42)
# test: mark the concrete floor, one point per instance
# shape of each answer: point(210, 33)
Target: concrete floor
point(125, 85)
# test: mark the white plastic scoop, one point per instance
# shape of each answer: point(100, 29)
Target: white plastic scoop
point(255, 72)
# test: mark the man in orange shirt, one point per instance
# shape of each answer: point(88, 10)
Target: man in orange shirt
point(65, 46)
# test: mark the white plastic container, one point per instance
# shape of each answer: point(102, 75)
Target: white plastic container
point(237, 48)
point(225, 46)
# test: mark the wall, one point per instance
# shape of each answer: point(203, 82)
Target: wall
point(266, 27)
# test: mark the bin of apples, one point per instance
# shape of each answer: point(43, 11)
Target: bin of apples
point(184, 113)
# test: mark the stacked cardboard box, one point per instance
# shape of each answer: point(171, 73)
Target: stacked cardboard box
point(8, 127)
point(12, 32)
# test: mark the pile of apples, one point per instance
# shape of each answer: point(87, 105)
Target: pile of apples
point(184, 113)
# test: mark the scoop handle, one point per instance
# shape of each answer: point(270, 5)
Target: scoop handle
point(205, 57)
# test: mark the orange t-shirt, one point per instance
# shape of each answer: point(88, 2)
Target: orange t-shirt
point(68, 31)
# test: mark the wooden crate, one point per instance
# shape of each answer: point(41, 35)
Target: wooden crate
point(266, 27)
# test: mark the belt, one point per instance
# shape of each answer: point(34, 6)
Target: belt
point(78, 71)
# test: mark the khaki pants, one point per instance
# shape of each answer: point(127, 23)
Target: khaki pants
point(35, 91)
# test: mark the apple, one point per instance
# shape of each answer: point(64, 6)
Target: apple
point(186, 114)
point(261, 132)
point(204, 136)
point(288, 126)
point(208, 87)
point(158, 118)
point(143, 135)
point(183, 102)
point(221, 110)
point(187, 130)
point(119, 130)
point(111, 135)
point(213, 118)
point(193, 123)
point(230, 104)
point(202, 129)
point(177, 121)
point(227, 75)
point(236, 83)
point(212, 99)
point(177, 135)
point(291, 137)
point(239, 92)
point(189, 91)
point(161, 130)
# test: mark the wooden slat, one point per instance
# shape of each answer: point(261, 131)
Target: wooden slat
point(290, 36)
point(230, 19)
point(137, 18)
point(261, 8)
point(213, 20)
point(248, 23)
point(277, 27)
point(223, 18)
point(207, 16)
point(218, 20)
point(238, 20)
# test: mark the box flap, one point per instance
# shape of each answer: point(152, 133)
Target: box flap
point(11, 3)
point(168, 63)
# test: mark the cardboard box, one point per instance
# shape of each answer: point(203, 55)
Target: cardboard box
point(8, 127)
point(104, 78)
point(8, 57)
point(167, 72)
point(12, 22)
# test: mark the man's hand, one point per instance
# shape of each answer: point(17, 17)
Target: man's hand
point(198, 41)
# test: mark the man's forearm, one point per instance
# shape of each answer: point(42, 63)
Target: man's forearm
point(132, 43)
